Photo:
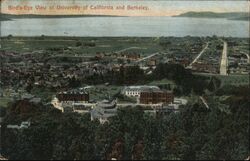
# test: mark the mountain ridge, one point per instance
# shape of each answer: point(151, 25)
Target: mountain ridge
point(6, 17)
point(228, 15)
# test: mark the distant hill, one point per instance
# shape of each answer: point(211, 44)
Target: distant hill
point(227, 15)
point(241, 18)
point(11, 16)
point(4, 18)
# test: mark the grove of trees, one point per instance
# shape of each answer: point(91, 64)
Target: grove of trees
point(193, 133)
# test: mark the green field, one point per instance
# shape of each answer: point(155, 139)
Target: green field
point(101, 92)
point(236, 80)
point(31, 44)
point(162, 82)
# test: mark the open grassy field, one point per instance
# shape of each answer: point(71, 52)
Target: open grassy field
point(162, 82)
point(233, 79)
point(101, 92)
point(30, 44)
point(236, 80)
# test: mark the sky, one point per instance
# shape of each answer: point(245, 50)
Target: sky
point(101, 7)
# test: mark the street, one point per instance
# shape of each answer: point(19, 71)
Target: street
point(224, 61)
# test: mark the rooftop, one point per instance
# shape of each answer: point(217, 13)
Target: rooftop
point(128, 88)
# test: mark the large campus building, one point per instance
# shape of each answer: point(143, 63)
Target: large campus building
point(156, 96)
point(149, 94)
point(76, 97)
point(71, 100)
point(135, 91)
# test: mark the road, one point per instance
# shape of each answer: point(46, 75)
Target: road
point(224, 60)
point(199, 55)
point(127, 49)
point(204, 102)
point(138, 104)
point(150, 56)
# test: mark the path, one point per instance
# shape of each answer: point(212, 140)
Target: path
point(150, 56)
point(224, 60)
point(199, 55)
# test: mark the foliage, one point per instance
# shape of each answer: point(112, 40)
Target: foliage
point(182, 77)
point(194, 133)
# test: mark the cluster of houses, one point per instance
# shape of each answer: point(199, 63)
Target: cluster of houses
point(119, 55)
point(239, 63)
point(206, 67)
point(27, 69)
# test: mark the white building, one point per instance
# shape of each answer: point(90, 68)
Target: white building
point(24, 125)
point(135, 91)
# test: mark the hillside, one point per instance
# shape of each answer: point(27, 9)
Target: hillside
point(4, 18)
point(228, 15)
point(10, 16)
point(241, 18)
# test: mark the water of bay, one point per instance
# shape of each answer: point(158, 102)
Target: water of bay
point(125, 26)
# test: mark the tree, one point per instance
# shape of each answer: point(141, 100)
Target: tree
point(78, 44)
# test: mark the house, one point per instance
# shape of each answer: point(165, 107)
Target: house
point(151, 62)
point(131, 56)
point(99, 55)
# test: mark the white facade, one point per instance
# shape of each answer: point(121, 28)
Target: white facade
point(61, 105)
point(24, 125)
point(135, 91)
point(57, 104)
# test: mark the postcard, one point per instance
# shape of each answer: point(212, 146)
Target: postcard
point(124, 79)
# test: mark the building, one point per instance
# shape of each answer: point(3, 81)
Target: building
point(104, 110)
point(156, 97)
point(24, 125)
point(2, 158)
point(135, 91)
point(131, 56)
point(151, 62)
point(73, 97)
point(74, 100)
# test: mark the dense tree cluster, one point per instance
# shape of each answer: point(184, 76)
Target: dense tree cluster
point(124, 76)
point(184, 79)
point(186, 82)
point(194, 133)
